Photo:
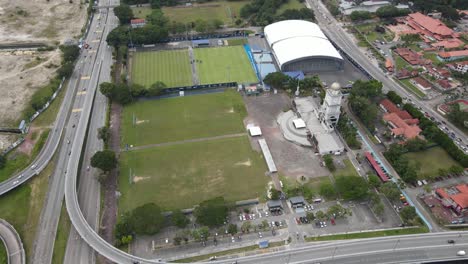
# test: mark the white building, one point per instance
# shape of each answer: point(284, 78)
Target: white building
point(330, 111)
point(348, 6)
point(461, 66)
point(300, 45)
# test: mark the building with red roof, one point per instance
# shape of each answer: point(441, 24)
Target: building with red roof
point(449, 43)
point(446, 108)
point(437, 72)
point(378, 170)
point(412, 57)
point(421, 83)
point(452, 55)
point(137, 22)
point(389, 65)
point(455, 197)
point(430, 27)
point(389, 107)
point(444, 84)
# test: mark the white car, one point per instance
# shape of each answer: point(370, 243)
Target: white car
point(233, 239)
point(15, 182)
point(260, 234)
point(33, 166)
point(240, 217)
point(266, 214)
point(21, 176)
point(461, 253)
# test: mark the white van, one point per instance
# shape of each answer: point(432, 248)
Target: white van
point(420, 183)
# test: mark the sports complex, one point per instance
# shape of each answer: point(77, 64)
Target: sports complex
point(180, 151)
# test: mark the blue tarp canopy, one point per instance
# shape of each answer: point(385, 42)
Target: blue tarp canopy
point(295, 74)
point(199, 42)
point(263, 244)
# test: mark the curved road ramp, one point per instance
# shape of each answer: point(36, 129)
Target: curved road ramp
point(12, 242)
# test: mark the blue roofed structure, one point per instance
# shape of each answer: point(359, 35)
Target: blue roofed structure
point(263, 244)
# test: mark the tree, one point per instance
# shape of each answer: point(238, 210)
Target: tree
point(246, 226)
point(337, 211)
point(276, 79)
point(456, 170)
point(391, 191)
point(201, 25)
point(156, 88)
point(394, 97)
point(157, 18)
point(410, 38)
point(365, 110)
point(106, 88)
point(390, 11)
point(104, 134)
point(360, 15)
point(275, 194)
point(104, 160)
point(328, 159)
point(126, 240)
point(2, 161)
point(147, 219)
point(179, 219)
point(457, 116)
point(374, 181)
point(367, 89)
point(123, 228)
point(177, 240)
point(310, 216)
point(352, 187)
point(408, 214)
point(232, 229)
point(201, 234)
point(118, 36)
point(69, 53)
point(415, 144)
point(320, 215)
point(211, 212)
point(122, 94)
point(124, 13)
point(327, 190)
point(65, 70)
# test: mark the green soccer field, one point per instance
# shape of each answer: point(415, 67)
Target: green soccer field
point(170, 66)
point(224, 64)
point(181, 176)
point(180, 118)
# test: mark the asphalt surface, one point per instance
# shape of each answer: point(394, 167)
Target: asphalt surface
point(88, 65)
point(12, 242)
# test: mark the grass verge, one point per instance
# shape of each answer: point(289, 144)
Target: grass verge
point(227, 252)
point(63, 230)
point(22, 207)
point(411, 88)
point(3, 253)
point(348, 170)
point(393, 232)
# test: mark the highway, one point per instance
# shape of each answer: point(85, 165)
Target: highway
point(333, 29)
point(12, 241)
point(401, 249)
point(78, 251)
point(88, 66)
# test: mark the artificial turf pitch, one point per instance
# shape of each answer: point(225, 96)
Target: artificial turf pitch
point(171, 67)
point(224, 64)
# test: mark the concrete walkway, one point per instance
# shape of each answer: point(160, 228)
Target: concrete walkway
point(12, 242)
point(185, 141)
point(195, 79)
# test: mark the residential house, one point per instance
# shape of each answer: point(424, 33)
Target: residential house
point(421, 83)
point(452, 55)
point(137, 22)
point(461, 66)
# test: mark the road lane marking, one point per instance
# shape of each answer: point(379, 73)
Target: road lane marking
point(81, 93)
point(96, 40)
point(85, 77)
point(98, 31)
point(77, 110)
point(92, 51)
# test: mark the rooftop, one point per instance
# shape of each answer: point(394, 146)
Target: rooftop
point(448, 43)
point(402, 128)
point(433, 25)
point(137, 21)
point(455, 53)
point(297, 199)
point(392, 108)
point(458, 194)
point(423, 82)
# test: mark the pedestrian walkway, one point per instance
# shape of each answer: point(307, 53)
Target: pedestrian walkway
point(185, 141)
point(267, 155)
point(195, 80)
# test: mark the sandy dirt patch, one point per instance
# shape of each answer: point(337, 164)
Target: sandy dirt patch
point(23, 72)
point(231, 110)
point(138, 122)
point(138, 178)
point(247, 163)
point(41, 20)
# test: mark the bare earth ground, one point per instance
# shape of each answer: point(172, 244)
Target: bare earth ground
point(23, 72)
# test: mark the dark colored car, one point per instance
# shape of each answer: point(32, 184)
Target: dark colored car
point(451, 241)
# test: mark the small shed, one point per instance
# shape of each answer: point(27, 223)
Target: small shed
point(255, 131)
point(297, 201)
point(274, 205)
point(299, 123)
point(201, 43)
